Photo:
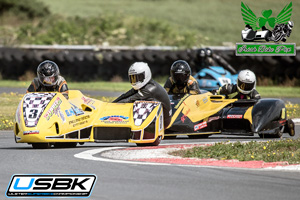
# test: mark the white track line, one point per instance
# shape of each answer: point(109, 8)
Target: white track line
point(89, 155)
point(296, 120)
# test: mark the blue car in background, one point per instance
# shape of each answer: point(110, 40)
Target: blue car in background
point(213, 77)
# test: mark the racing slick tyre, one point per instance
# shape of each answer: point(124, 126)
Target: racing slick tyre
point(170, 137)
point(277, 134)
point(155, 143)
point(199, 136)
point(40, 145)
point(290, 127)
point(65, 144)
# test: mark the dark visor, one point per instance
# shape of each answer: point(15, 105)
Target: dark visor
point(180, 78)
point(135, 78)
point(245, 86)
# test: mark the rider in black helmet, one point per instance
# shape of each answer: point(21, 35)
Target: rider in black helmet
point(48, 79)
point(201, 54)
point(208, 58)
point(181, 81)
point(216, 60)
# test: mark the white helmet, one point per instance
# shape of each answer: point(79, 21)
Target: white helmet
point(139, 75)
point(246, 81)
point(290, 25)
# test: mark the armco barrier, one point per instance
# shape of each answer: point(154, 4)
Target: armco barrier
point(83, 63)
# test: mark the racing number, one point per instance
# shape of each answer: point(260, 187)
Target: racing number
point(225, 81)
point(33, 114)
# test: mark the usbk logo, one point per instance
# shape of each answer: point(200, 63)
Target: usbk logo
point(51, 185)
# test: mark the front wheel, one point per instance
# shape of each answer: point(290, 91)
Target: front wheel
point(170, 137)
point(155, 143)
point(40, 145)
point(65, 144)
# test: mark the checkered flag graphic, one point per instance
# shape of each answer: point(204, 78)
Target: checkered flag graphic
point(141, 110)
point(34, 105)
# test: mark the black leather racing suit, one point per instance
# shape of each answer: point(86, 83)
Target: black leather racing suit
point(191, 87)
point(152, 91)
point(61, 87)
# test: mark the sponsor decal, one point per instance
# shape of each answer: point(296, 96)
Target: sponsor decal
point(55, 109)
point(74, 110)
point(224, 80)
point(213, 118)
point(283, 112)
point(79, 121)
point(88, 101)
point(266, 28)
point(200, 126)
point(197, 103)
point(115, 119)
point(51, 185)
point(161, 122)
point(31, 132)
point(34, 105)
point(265, 49)
point(185, 115)
point(234, 116)
point(170, 112)
point(142, 109)
point(205, 100)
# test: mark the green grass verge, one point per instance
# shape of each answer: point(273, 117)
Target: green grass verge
point(181, 23)
point(270, 151)
point(8, 104)
point(216, 21)
point(279, 91)
point(101, 86)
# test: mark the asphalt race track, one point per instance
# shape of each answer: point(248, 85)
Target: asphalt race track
point(132, 181)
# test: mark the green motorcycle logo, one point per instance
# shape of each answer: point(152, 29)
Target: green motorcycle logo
point(258, 22)
point(281, 25)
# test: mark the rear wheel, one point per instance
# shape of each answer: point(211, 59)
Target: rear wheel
point(290, 127)
point(40, 145)
point(265, 135)
point(277, 134)
point(155, 143)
